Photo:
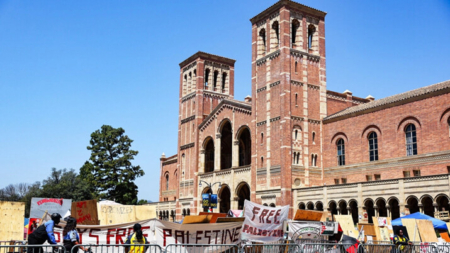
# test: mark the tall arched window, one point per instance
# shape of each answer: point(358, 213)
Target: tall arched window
point(224, 78)
point(341, 152)
point(277, 35)
point(311, 30)
point(294, 26)
point(216, 74)
point(296, 99)
point(411, 140)
point(262, 34)
point(313, 137)
point(295, 67)
point(295, 134)
point(206, 78)
point(373, 146)
point(167, 182)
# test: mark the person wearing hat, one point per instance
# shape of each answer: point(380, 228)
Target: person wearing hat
point(137, 238)
point(43, 233)
point(401, 240)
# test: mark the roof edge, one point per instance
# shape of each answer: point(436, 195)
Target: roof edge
point(225, 101)
point(208, 56)
point(289, 3)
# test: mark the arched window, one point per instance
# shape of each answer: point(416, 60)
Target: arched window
point(295, 157)
point(411, 140)
point(184, 212)
point(294, 26)
point(311, 30)
point(373, 146)
point(189, 82)
point(216, 74)
point(295, 134)
point(295, 68)
point(272, 205)
point(167, 182)
point(341, 152)
point(277, 35)
point(224, 78)
point(262, 161)
point(313, 137)
point(188, 212)
point(262, 138)
point(298, 158)
point(312, 160)
point(209, 156)
point(296, 96)
point(206, 78)
point(262, 34)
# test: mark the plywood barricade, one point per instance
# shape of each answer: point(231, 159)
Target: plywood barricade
point(426, 231)
point(116, 214)
point(411, 226)
point(369, 230)
point(214, 216)
point(85, 212)
point(381, 230)
point(346, 222)
point(11, 220)
point(308, 215)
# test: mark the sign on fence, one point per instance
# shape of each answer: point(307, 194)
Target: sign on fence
point(263, 223)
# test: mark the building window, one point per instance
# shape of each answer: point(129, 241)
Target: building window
point(262, 161)
point(295, 68)
point(262, 34)
point(313, 137)
point(416, 173)
point(368, 178)
point(344, 180)
point(206, 78)
point(262, 138)
point(313, 160)
point(167, 182)
point(411, 140)
point(277, 35)
point(216, 74)
point(224, 78)
point(311, 30)
point(341, 152)
point(294, 26)
point(336, 181)
point(377, 177)
point(406, 173)
point(296, 96)
point(295, 134)
point(373, 146)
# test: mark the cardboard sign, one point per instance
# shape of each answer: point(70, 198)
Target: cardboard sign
point(40, 205)
point(162, 233)
point(85, 212)
point(263, 223)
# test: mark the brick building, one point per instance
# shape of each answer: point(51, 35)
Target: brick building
point(293, 142)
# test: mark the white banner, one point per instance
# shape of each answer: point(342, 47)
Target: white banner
point(40, 205)
point(311, 229)
point(263, 223)
point(160, 232)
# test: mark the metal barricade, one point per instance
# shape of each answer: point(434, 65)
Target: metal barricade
point(326, 248)
point(32, 249)
point(377, 248)
point(202, 248)
point(271, 248)
point(417, 248)
point(115, 248)
point(378, 242)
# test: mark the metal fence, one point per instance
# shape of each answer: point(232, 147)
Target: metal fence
point(327, 247)
point(32, 249)
point(271, 248)
point(117, 248)
point(418, 248)
point(378, 248)
point(202, 248)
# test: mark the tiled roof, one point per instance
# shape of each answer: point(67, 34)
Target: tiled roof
point(285, 2)
point(402, 98)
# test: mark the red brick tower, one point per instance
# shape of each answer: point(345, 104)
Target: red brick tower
point(205, 80)
point(289, 99)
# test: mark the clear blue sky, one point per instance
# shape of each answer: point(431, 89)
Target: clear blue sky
point(68, 67)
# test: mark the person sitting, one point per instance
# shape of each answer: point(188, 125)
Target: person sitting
point(401, 240)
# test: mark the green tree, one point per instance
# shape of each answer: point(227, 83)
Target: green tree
point(109, 171)
point(65, 184)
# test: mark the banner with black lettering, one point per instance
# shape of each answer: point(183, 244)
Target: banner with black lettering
point(160, 232)
point(263, 223)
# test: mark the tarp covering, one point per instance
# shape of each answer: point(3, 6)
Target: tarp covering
point(437, 224)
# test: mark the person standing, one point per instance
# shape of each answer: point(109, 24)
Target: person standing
point(43, 233)
point(70, 236)
point(137, 238)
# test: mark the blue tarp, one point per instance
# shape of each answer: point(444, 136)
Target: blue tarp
point(437, 224)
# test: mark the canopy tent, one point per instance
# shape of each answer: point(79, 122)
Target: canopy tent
point(437, 224)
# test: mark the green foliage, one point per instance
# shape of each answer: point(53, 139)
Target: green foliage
point(109, 171)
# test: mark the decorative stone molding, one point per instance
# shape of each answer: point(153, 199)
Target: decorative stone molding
point(190, 145)
point(187, 183)
point(217, 65)
point(187, 97)
point(168, 193)
point(314, 121)
point(275, 169)
point(202, 151)
point(236, 143)
point(313, 86)
point(261, 123)
point(296, 83)
point(187, 119)
point(261, 171)
point(311, 57)
point(236, 106)
point(274, 84)
point(276, 14)
point(297, 118)
point(243, 169)
point(190, 66)
point(218, 136)
point(167, 162)
point(273, 196)
point(275, 119)
point(261, 89)
point(270, 56)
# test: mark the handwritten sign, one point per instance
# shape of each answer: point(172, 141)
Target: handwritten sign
point(85, 212)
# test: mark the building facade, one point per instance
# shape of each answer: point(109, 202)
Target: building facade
point(293, 142)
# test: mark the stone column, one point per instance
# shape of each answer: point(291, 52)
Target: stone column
point(349, 210)
point(421, 208)
point(235, 155)
point(217, 152)
point(375, 208)
point(388, 208)
point(202, 161)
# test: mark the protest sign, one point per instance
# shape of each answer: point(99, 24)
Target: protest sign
point(85, 212)
point(40, 205)
point(263, 223)
point(311, 229)
point(160, 232)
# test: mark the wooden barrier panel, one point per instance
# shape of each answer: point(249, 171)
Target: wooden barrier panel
point(308, 215)
point(346, 222)
point(382, 232)
point(11, 220)
point(197, 219)
point(214, 216)
point(426, 231)
point(116, 214)
point(85, 212)
point(411, 226)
